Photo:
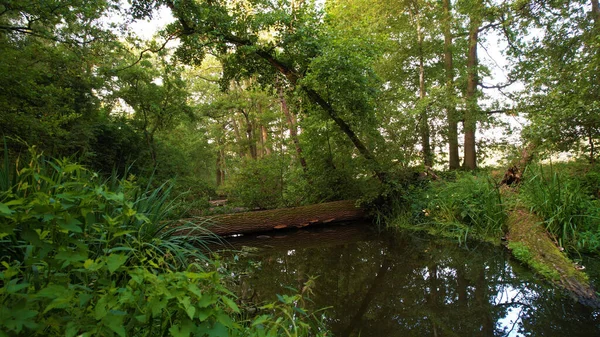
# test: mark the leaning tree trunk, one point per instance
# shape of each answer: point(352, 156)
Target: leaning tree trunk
point(296, 217)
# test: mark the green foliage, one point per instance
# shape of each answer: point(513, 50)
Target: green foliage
point(469, 206)
point(258, 183)
point(570, 212)
point(80, 257)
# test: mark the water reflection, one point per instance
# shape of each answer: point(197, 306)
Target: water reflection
point(404, 285)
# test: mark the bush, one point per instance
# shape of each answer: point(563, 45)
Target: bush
point(81, 257)
point(258, 183)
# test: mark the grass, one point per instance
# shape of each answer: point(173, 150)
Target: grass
point(469, 206)
point(570, 212)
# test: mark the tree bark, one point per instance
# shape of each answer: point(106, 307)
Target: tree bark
point(293, 129)
point(470, 117)
point(238, 137)
point(249, 135)
point(452, 118)
point(424, 125)
point(296, 217)
point(265, 140)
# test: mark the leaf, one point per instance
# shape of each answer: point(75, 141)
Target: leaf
point(115, 323)
point(189, 308)
point(4, 210)
point(114, 261)
point(71, 225)
point(231, 304)
point(183, 330)
point(260, 320)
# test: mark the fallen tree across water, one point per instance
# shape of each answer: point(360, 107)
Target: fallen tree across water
point(295, 217)
point(531, 243)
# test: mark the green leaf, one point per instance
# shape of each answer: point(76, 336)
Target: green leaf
point(189, 308)
point(115, 323)
point(231, 304)
point(71, 225)
point(183, 330)
point(260, 320)
point(4, 210)
point(114, 261)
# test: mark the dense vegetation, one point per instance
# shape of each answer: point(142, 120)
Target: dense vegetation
point(271, 104)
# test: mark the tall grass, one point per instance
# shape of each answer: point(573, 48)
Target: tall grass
point(570, 214)
point(469, 206)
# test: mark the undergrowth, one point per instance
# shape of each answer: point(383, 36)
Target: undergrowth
point(85, 257)
point(570, 211)
point(466, 206)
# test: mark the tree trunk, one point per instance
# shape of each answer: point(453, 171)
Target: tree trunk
point(238, 137)
point(452, 118)
point(303, 239)
point(265, 140)
point(470, 117)
point(293, 129)
point(249, 135)
point(296, 217)
point(358, 144)
point(424, 125)
point(596, 12)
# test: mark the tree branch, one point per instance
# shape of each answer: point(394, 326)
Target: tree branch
point(149, 50)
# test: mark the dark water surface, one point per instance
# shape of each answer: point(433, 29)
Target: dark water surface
point(405, 285)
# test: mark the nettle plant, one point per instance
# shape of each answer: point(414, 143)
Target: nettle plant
point(85, 257)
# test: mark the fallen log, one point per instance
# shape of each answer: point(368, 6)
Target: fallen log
point(310, 237)
point(295, 217)
point(531, 243)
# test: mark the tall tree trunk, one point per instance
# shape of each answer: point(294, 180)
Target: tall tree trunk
point(220, 165)
point(424, 125)
point(293, 129)
point(596, 12)
point(470, 117)
point(249, 135)
point(219, 172)
point(238, 137)
point(452, 118)
point(265, 140)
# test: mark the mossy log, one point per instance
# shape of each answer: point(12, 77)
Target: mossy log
point(296, 217)
point(531, 244)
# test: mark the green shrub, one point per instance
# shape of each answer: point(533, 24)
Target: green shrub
point(258, 183)
point(81, 257)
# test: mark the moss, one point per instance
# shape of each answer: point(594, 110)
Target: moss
point(523, 254)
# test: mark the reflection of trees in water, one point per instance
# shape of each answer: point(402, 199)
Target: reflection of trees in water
point(408, 286)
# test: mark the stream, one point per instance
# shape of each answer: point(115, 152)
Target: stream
point(401, 284)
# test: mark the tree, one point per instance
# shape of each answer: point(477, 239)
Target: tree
point(561, 71)
point(156, 92)
point(265, 38)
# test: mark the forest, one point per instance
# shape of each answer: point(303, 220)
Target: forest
point(472, 120)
